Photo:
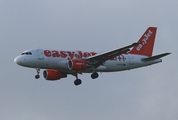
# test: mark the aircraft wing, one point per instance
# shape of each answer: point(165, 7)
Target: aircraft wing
point(102, 57)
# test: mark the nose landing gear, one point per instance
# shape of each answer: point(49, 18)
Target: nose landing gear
point(38, 72)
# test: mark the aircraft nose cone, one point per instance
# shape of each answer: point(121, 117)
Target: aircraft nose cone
point(17, 60)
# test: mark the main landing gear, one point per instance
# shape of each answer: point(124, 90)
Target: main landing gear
point(38, 72)
point(94, 75)
point(77, 82)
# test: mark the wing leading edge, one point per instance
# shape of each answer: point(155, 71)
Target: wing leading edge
point(102, 57)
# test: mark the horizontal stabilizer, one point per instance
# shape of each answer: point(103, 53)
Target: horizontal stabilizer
point(154, 57)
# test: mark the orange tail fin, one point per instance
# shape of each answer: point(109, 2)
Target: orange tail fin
point(146, 43)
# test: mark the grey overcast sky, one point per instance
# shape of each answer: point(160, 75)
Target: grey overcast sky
point(148, 93)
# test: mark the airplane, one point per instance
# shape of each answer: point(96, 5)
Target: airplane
point(61, 63)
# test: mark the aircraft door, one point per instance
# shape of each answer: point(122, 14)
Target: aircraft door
point(40, 54)
point(131, 60)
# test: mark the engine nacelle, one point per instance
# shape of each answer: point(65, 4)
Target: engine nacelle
point(77, 64)
point(53, 75)
point(63, 64)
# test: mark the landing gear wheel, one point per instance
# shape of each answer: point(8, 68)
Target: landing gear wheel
point(94, 75)
point(37, 76)
point(38, 72)
point(77, 82)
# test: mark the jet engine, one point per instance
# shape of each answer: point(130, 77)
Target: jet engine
point(53, 75)
point(77, 64)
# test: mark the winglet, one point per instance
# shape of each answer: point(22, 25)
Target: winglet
point(145, 43)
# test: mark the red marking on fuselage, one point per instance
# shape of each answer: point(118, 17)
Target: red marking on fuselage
point(47, 53)
point(86, 54)
point(64, 54)
point(110, 58)
point(121, 58)
point(71, 54)
point(77, 54)
point(55, 53)
point(93, 53)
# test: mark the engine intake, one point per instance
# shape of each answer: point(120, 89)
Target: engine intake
point(77, 64)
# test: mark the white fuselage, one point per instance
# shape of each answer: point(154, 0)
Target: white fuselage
point(56, 59)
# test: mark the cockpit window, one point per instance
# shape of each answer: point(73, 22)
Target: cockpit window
point(26, 53)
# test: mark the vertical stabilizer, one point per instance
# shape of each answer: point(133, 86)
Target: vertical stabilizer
point(146, 43)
